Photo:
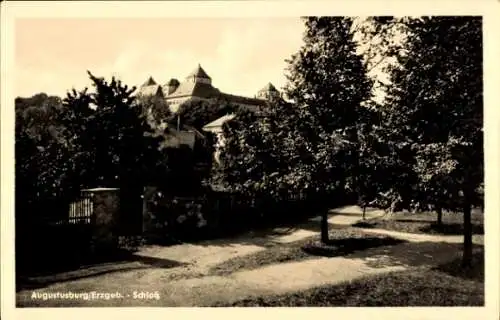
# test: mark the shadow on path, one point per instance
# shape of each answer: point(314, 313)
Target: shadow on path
point(127, 263)
point(450, 229)
point(268, 234)
point(269, 237)
point(347, 246)
point(411, 254)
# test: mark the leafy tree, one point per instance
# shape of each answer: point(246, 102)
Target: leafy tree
point(43, 156)
point(308, 146)
point(42, 169)
point(198, 113)
point(155, 109)
point(329, 79)
point(433, 116)
point(250, 154)
point(382, 167)
point(381, 38)
point(117, 143)
point(370, 179)
point(76, 119)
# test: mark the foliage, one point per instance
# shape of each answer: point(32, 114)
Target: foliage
point(84, 140)
point(305, 147)
point(192, 116)
point(123, 150)
point(104, 137)
point(199, 113)
point(155, 109)
point(175, 216)
point(432, 118)
point(43, 154)
point(329, 79)
point(434, 106)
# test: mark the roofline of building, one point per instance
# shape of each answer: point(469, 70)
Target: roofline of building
point(184, 96)
point(230, 117)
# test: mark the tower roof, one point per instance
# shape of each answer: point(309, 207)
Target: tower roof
point(151, 90)
point(149, 82)
point(269, 88)
point(195, 89)
point(199, 73)
point(173, 82)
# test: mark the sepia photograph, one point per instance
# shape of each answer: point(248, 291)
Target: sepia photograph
point(288, 161)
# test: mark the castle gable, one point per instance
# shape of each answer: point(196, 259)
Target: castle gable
point(198, 73)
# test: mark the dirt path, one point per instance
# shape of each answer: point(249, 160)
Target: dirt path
point(413, 237)
point(201, 256)
point(273, 279)
point(188, 283)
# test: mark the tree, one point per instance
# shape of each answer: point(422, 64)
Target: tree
point(329, 79)
point(76, 119)
point(119, 145)
point(307, 146)
point(155, 109)
point(43, 168)
point(370, 182)
point(434, 114)
point(43, 157)
point(199, 113)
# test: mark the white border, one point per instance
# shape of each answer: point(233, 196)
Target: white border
point(142, 9)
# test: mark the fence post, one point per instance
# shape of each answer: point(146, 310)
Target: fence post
point(106, 204)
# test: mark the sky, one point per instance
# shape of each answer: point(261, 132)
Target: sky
point(241, 55)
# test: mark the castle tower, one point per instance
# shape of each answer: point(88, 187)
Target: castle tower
point(172, 85)
point(268, 92)
point(150, 88)
point(199, 76)
point(149, 82)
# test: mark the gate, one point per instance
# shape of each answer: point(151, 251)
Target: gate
point(81, 211)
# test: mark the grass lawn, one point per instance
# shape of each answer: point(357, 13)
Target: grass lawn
point(342, 242)
point(446, 285)
point(425, 223)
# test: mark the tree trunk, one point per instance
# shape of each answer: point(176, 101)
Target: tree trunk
point(439, 216)
point(324, 226)
point(364, 212)
point(392, 208)
point(467, 247)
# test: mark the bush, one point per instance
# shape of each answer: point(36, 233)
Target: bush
point(176, 216)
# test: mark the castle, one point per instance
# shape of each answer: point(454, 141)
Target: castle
point(198, 86)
